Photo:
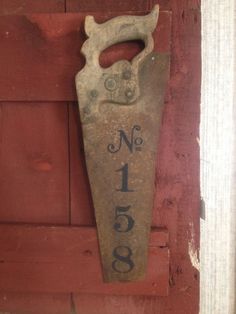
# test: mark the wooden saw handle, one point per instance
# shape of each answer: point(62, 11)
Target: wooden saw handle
point(117, 30)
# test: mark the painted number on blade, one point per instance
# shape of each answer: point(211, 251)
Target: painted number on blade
point(124, 222)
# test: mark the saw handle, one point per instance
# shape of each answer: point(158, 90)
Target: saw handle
point(118, 30)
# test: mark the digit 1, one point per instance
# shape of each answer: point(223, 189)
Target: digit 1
point(124, 184)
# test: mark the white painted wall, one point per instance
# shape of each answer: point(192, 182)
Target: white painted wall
point(218, 157)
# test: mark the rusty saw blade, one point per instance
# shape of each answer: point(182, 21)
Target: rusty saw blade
point(120, 110)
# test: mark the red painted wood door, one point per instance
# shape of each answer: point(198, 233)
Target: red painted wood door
point(43, 175)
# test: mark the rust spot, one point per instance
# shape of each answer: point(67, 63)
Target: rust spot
point(41, 162)
point(87, 253)
point(179, 270)
point(42, 165)
point(168, 202)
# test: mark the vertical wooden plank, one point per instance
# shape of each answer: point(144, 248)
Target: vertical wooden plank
point(218, 230)
point(34, 163)
point(178, 195)
point(82, 211)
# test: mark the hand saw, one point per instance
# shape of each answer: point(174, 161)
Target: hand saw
point(120, 110)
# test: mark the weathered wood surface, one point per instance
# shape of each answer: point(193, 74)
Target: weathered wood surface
point(107, 5)
point(31, 6)
point(35, 303)
point(178, 186)
point(64, 259)
point(114, 6)
point(34, 163)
